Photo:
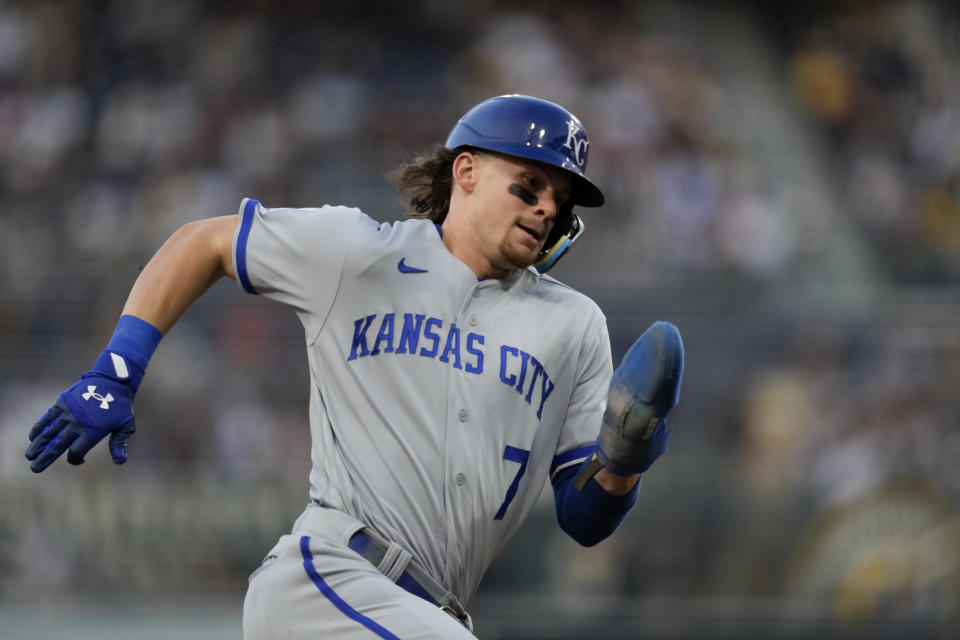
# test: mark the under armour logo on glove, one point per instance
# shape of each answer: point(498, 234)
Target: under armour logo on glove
point(91, 393)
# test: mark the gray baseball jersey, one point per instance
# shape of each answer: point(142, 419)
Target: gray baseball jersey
point(439, 404)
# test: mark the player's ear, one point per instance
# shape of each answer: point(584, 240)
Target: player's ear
point(465, 170)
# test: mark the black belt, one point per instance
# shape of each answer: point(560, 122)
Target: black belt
point(412, 579)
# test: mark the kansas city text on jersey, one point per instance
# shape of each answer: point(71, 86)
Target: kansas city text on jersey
point(428, 337)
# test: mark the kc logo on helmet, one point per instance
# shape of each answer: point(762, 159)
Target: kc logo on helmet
point(576, 141)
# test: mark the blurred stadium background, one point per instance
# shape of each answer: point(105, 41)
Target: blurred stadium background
point(782, 184)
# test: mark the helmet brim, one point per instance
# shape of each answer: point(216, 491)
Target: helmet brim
point(585, 193)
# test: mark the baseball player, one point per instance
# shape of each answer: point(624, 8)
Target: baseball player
point(449, 377)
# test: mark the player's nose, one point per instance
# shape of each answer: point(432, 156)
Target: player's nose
point(547, 215)
point(547, 212)
point(547, 207)
point(557, 194)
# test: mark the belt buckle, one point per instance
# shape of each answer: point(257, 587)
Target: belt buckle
point(463, 619)
point(451, 611)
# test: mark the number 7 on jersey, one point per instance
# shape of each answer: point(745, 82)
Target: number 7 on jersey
point(513, 454)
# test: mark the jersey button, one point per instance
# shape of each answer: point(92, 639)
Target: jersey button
point(461, 479)
point(473, 320)
point(462, 415)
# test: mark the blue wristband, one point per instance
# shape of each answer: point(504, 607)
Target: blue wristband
point(136, 339)
point(591, 515)
point(129, 351)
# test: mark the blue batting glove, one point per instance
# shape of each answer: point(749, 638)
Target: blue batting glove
point(99, 404)
point(643, 390)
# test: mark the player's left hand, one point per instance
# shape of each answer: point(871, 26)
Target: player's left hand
point(94, 407)
point(643, 390)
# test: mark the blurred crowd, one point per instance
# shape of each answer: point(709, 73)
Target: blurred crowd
point(881, 81)
point(815, 283)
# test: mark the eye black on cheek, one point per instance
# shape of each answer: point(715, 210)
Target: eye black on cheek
point(523, 194)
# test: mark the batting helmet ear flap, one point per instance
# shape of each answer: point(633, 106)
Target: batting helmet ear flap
point(568, 228)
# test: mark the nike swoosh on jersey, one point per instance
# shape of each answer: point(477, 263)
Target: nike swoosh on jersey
point(403, 268)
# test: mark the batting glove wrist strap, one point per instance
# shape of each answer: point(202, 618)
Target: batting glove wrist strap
point(626, 457)
point(118, 367)
point(643, 390)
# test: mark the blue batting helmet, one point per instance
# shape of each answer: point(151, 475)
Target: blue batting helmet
point(530, 128)
point(539, 130)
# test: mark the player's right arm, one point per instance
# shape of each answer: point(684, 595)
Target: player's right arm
point(100, 403)
point(183, 269)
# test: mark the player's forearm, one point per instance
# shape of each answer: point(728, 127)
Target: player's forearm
point(182, 270)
